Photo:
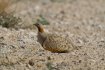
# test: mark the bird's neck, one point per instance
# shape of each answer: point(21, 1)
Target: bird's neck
point(40, 29)
point(41, 37)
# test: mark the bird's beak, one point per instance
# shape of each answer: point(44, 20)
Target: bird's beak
point(35, 24)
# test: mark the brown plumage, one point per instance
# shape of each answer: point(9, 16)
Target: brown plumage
point(53, 42)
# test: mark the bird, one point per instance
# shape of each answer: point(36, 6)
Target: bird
point(53, 42)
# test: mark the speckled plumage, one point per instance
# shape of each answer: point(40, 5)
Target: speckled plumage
point(53, 42)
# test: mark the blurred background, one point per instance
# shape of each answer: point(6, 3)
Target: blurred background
point(27, 12)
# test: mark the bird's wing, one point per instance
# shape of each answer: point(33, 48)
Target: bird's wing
point(55, 42)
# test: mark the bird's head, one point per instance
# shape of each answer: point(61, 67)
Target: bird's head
point(40, 27)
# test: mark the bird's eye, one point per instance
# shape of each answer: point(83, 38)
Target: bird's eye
point(38, 24)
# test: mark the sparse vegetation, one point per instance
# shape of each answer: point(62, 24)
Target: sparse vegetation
point(7, 19)
point(43, 20)
point(49, 66)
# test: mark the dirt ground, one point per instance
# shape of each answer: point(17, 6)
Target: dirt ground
point(82, 21)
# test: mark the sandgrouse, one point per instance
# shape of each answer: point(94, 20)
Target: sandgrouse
point(53, 42)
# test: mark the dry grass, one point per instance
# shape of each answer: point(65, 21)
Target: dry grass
point(4, 4)
point(7, 19)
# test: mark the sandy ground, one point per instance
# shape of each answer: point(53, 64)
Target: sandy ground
point(83, 21)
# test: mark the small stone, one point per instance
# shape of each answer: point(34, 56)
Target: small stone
point(31, 62)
